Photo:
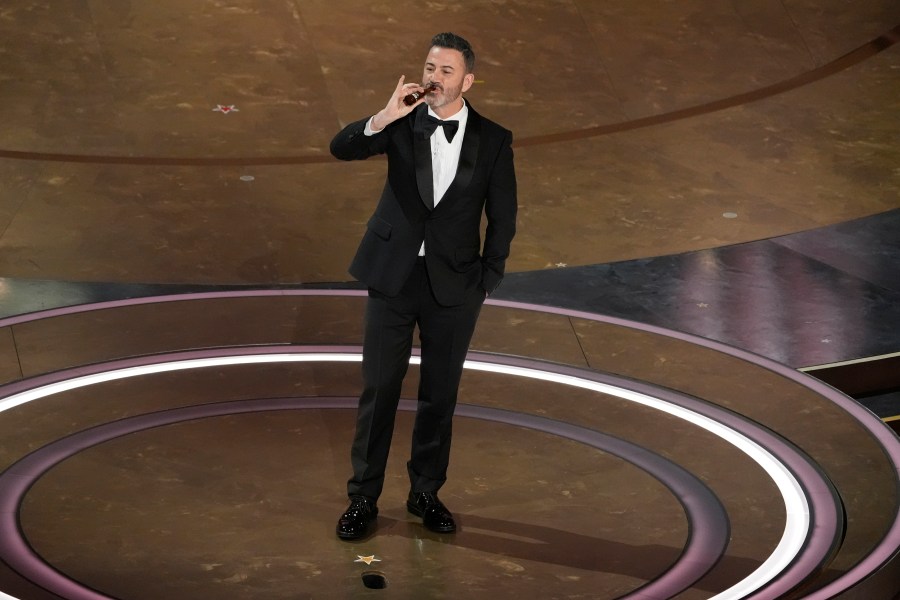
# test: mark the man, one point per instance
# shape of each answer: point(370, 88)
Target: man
point(423, 262)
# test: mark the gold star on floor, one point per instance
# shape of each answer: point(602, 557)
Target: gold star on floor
point(367, 559)
point(702, 305)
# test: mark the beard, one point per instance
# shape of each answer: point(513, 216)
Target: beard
point(443, 97)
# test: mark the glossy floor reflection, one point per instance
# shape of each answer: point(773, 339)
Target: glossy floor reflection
point(709, 215)
point(145, 437)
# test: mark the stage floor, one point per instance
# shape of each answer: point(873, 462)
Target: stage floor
point(203, 438)
point(181, 340)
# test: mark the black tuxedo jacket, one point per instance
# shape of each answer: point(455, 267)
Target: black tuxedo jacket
point(485, 183)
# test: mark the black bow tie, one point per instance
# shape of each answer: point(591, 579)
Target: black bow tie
point(430, 124)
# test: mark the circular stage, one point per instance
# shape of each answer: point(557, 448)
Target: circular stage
point(197, 445)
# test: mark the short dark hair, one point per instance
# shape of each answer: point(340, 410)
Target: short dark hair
point(454, 42)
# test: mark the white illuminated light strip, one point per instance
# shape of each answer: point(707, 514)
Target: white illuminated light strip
point(178, 365)
point(797, 518)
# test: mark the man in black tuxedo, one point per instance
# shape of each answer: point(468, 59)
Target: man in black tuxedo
point(423, 262)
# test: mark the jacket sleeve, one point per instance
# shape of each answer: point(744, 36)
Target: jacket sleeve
point(501, 207)
point(352, 143)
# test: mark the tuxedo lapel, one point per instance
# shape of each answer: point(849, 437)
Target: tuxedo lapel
point(422, 156)
point(468, 156)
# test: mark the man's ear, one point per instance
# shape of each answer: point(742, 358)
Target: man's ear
point(468, 80)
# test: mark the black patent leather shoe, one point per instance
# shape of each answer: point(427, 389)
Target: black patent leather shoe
point(357, 519)
point(435, 516)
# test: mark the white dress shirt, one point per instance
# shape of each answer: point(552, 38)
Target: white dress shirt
point(444, 154)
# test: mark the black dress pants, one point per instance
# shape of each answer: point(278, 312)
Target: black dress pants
point(444, 334)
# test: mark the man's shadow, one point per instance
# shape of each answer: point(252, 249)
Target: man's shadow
point(558, 547)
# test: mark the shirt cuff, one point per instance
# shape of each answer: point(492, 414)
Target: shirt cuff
point(369, 130)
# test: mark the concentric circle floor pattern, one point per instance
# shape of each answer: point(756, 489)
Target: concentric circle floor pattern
point(196, 445)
